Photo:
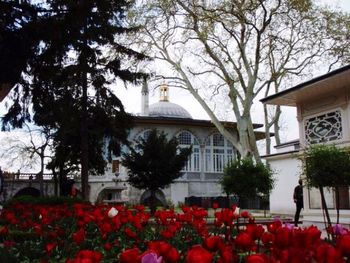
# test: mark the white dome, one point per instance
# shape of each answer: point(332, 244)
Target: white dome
point(168, 109)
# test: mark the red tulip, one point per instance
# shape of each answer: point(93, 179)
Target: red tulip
point(257, 258)
point(197, 254)
point(215, 205)
point(130, 256)
point(50, 247)
point(227, 255)
point(213, 243)
point(343, 244)
point(245, 214)
point(89, 256)
point(244, 241)
point(79, 236)
point(130, 233)
point(325, 253)
point(172, 256)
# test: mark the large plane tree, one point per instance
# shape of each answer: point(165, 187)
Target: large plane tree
point(230, 53)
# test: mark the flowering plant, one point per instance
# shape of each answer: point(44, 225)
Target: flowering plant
point(105, 233)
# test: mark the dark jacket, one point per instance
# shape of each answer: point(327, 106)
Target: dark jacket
point(298, 195)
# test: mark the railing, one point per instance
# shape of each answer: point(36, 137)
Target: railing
point(28, 176)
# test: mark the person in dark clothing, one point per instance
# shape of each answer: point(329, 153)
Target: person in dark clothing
point(1, 181)
point(298, 200)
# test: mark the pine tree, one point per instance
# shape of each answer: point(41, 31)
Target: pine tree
point(68, 77)
point(154, 163)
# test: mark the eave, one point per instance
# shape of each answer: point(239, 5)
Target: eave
point(329, 83)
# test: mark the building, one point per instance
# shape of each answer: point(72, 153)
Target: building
point(323, 114)
point(211, 151)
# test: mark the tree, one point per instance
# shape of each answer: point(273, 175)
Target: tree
point(236, 50)
point(327, 166)
point(247, 179)
point(154, 163)
point(30, 149)
point(68, 78)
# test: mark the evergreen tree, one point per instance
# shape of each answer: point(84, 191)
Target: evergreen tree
point(154, 163)
point(68, 77)
point(247, 179)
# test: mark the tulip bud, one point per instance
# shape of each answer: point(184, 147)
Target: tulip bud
point(112, 212)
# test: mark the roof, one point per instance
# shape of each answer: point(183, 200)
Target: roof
point(174, 121)
point(286, 144)
point(324, 84)
point(168, 109)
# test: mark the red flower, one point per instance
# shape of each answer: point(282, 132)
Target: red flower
point(267, 238)
point(167, 234)
point(255, 231)
point(244, 241)
point(172, 256)
point(131, 255)
point(213, 243)
point(89, 256)
point(283, 237)
point(343, 244)
point(164, 249)
point(130, 233)
point(325, 253)
point(245, 214)
point(107, 246)
point(227, 255)
point(79, 236)
point(274, 226)
point(197, 254)
point(215, 205)
point(50, 247)
point(257, 258)
point(4, 231)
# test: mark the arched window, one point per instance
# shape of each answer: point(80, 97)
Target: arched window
point(218, 152)
point(186, 139)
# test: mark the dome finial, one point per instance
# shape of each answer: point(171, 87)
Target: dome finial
point(164, 92)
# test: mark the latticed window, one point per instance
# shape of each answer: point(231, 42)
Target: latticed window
point(324, 128)
point(218, 152)
point(186, 139)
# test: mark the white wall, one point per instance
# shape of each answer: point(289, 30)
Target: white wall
point(287, 171)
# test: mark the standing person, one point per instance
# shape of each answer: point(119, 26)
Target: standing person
point(298, 200)
point(1, 181)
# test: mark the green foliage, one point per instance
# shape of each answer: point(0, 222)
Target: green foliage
point(247, 179)
point(155, 162)
point(327, 166)
point(67, 75)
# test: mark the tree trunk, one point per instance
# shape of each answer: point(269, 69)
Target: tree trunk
point(325, 209)
point(84, 129)
point(267, 131)
point(337, 202)
point(41, 174)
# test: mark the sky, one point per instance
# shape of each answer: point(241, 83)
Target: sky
point(131, 98)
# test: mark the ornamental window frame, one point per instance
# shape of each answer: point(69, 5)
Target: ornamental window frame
point(330, 123)
point(218, 151)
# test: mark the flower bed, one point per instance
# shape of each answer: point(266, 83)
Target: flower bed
point(103, 233)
